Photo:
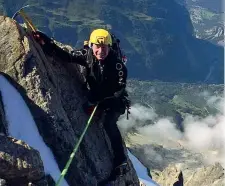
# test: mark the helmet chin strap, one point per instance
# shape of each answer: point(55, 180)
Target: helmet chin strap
point(101, 60)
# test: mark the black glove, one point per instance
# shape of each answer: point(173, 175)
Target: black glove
point(42, 38)
point(46, 43)
point(120, 93)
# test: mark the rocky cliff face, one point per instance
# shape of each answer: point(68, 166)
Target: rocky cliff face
point(206, 176)
point(206, 17)
point(54, 96)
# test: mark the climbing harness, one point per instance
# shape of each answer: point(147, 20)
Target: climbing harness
point(75, 148)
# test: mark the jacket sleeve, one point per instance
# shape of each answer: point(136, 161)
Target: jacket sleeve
point(50, 48)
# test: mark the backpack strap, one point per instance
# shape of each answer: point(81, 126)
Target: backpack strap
point(90, 61)
point(117, 49)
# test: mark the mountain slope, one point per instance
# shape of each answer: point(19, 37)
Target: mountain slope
point(207, 19)
point(176, 100)
point(157, 35)
point(176, 130)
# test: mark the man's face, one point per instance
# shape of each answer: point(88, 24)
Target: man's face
point(100, 51)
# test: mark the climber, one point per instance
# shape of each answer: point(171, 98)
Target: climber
point(106, 82)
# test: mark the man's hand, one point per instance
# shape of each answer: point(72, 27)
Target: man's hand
point(119, 93)
point(37, 38)
point(41, 38)
point(89, 108)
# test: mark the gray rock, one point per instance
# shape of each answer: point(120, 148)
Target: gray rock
point(171, 176)
point(175, 164)
point(212, 175)
point(19, 163)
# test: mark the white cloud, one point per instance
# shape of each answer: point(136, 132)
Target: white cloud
point(216, 102)
point(205, 135)
point(139, 115)
point(162, 130)
point(151, 91)
point(201, 134)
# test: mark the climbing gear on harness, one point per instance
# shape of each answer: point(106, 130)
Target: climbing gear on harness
point(124, 59)
point(127, 104)
point(86, 46)
point(75, 148)
point(85, 43)
point(128, 112)
point(100, 36)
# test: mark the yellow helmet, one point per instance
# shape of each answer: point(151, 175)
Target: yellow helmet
point(100, 36)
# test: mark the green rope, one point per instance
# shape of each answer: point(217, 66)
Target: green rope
point(75, 149)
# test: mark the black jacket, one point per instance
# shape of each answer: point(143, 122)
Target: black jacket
point(105, 79)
